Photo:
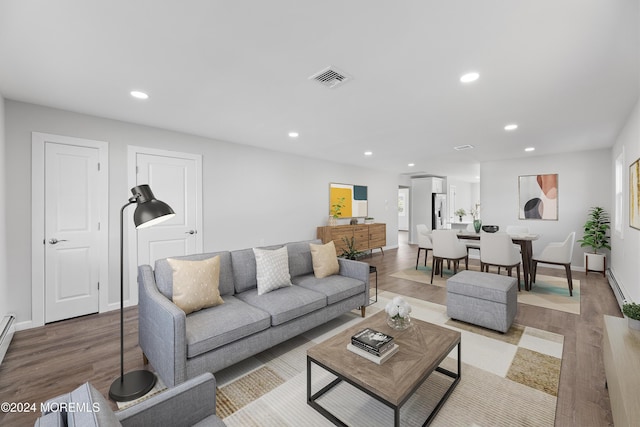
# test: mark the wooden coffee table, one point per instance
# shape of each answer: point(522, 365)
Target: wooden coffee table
point(423, 347)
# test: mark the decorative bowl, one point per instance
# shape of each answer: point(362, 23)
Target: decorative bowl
point(490, 228)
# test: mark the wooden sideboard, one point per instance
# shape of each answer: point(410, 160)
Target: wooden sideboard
point(621, 348)
point(367, 237)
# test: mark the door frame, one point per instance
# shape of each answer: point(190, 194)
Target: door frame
point(130, 231)
point(38, 141)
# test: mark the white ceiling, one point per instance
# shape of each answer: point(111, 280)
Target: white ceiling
point(566, 71)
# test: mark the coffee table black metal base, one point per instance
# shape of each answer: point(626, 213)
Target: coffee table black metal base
point(311, 399)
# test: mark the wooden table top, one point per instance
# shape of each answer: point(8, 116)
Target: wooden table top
point(423, 346)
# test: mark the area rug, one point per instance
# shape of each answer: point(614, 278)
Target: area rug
point(507, 379)
point(548, 291)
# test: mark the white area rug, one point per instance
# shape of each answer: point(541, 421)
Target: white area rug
point(507, 380)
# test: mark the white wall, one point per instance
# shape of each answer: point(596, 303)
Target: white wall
point(625, 249)
point(403, 219)
point(4, 284)
point(250, 195)
point(584, 180)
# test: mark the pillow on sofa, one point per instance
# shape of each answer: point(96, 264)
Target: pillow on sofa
point(196, 283)
point(325, 261)
point(272, 269)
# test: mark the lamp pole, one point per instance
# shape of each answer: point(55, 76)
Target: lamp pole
point(149, 211)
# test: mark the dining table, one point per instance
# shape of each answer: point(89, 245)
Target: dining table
point(524, 240)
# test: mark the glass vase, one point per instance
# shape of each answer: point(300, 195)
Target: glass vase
point(477, 224)
point(399, 323)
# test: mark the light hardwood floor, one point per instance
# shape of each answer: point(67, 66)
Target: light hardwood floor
point(44, 362)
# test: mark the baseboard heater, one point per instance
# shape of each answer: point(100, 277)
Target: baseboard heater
point(7, 329)
point(618, 290)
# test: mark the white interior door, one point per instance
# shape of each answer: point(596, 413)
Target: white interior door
point(72, 222)
point(174, 179)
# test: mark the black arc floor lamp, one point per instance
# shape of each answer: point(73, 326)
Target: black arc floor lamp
point(149, 211)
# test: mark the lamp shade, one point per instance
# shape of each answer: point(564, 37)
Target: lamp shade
point(149, 211)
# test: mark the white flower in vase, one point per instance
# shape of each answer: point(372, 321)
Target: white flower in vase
point(398, 311)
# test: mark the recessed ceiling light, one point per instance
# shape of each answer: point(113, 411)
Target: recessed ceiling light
point(139, 95)
point(511, 126)
point(368, 153)
point(469, 77)
point(411, 165)
point(529, 149)
point(293, 134)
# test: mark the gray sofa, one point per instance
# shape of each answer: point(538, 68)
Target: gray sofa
point(191, 403)
point(183, 346)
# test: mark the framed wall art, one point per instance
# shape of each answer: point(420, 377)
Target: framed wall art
point(538, 197)
point(350, 200)
point(634, 194)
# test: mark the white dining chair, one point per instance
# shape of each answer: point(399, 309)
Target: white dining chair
point(447, 246)
point(517, 229)
point(471, 244)
point(558, 253)
point(424, 242)
point(497, 250)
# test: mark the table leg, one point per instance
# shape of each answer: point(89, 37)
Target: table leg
point(526, 249)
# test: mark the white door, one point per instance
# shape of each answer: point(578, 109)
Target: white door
point(72, 221)
point(174, 179)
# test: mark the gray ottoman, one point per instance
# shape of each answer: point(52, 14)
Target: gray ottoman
point(484, 299)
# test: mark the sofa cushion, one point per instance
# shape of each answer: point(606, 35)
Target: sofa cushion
point(53, 419)
point(300, 262)
point(325, 261)
point(195, 283)
point(92, 409)
point(214, 327)
point(164, 273)
point(335, 288)
point(244, 268)
point(285, 304)
point(272, 269)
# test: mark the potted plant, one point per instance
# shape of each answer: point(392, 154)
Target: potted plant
point(632, 311)
point(460, 212)
point(350, 252)
point(336, 211)
point(369, 220)
point(595, 237)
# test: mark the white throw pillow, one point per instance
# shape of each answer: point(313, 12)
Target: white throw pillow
point(272, 269)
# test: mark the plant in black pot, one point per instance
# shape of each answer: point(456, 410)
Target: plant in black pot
point(350, 252)
point(595, 237)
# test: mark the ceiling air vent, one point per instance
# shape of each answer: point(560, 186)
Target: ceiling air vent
point(463, 147)
point(330, 77)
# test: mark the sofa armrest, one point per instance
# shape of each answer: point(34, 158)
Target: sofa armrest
point(184, 405)
point(162, 330)
point(356, 270)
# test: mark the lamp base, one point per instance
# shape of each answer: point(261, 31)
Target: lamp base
point(132, 386)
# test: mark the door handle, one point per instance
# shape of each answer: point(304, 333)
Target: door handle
point(53, 241)
point(191, 232)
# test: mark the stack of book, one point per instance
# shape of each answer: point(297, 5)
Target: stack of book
point(373, 345)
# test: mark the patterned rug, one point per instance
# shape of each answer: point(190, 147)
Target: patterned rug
point(507, 379)
point(548, 291)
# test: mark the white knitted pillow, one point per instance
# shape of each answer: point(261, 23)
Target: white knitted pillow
point(272, 269)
